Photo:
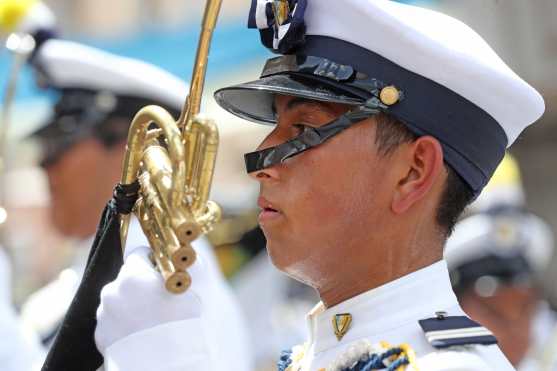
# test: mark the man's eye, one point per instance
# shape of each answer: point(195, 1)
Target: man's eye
point(299, 128)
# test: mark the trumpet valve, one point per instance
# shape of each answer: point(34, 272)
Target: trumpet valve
point(187, 231)
point(183, 258)
point(176, 282)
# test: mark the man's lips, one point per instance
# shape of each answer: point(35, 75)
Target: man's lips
point(268, 210)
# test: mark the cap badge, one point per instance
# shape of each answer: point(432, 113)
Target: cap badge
point(281, 9)
point(341, 324)
point(281, 23)
point(105, 101)
point(389, 95)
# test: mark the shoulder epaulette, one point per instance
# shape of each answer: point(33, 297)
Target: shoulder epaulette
point(447, 331)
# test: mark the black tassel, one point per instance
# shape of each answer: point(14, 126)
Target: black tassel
point(74, 346)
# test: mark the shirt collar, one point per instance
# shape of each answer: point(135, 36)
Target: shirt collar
point(409, 298)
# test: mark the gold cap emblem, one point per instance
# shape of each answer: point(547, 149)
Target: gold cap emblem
point(506, 233)
point(389, 95)
point(341, 324)
point(281, 10)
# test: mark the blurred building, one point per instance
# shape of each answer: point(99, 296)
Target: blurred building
point(123, 17)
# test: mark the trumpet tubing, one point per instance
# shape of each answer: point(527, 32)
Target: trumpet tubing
point(175, 280)
point(207, 141)
point(157, 164)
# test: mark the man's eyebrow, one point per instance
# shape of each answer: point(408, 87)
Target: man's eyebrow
point(290, 105)
point(298, 101)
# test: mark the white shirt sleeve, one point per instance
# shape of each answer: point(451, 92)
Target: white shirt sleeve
point(449, 360)
point(174, 346)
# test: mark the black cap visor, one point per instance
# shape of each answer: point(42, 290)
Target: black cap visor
point(58, 135)
point(254, 101)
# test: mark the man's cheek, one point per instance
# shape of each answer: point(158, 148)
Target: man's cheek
point(324, 207)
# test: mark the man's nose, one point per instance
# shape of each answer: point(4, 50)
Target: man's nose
point(269, 173)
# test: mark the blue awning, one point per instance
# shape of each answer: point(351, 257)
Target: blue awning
point(234, 46)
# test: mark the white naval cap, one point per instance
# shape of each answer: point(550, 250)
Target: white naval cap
point(67, 65)
point(507, 244)
point(500, 238)
point(453, 85)
point(94, 87)
point(435, 46)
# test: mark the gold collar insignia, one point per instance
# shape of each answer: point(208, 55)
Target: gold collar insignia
point(341, 324)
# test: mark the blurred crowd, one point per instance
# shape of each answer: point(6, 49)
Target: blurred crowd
point(63, 154)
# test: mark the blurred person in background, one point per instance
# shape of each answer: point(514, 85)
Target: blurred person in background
point(83, 146)
point(20, 21)
point(496, 258)
point(493, 259)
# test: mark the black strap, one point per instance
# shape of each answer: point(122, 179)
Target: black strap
point(74, 346)
point(125, 196)
point(311, 137)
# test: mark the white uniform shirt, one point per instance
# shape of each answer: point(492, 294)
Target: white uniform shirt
point(220, 330)
point(45, 309)
point(542, 355)
point(20, 349)
point(278, 311)
point(391, 313)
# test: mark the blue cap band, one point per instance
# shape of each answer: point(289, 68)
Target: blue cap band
point(473, 142)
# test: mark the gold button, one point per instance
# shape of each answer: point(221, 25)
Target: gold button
point(389, 95)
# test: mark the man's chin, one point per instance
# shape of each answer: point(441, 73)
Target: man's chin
point(278, 253)
point(282, 258)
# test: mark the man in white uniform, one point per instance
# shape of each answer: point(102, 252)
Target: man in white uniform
point(388, 120)
point(493, 260)
point(83, 145)
point(20, 347)
point(497, 259)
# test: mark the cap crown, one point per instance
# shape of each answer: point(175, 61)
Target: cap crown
point(66, 65)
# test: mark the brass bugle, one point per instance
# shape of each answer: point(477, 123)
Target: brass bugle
point(174, 165)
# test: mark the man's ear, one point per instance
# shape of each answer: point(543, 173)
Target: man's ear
point(424, 164)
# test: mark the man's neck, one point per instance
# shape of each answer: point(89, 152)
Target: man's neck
point(344, 292)
point(367, 270)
